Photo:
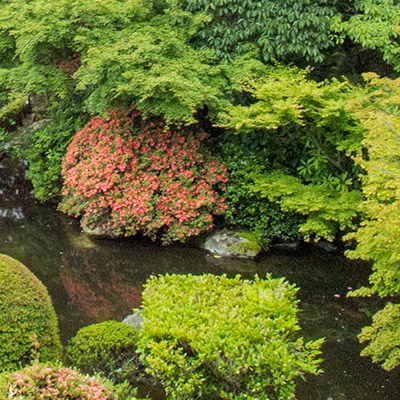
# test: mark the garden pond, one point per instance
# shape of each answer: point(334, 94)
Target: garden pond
point(93, 280)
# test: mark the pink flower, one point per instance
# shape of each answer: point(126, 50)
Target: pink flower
point(154, 180)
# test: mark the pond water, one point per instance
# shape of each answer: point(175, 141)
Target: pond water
point(96, 280)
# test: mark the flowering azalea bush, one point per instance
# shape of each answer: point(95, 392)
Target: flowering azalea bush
point(125, 174)
point(41, 381)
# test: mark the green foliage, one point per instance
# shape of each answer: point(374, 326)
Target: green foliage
point(28, 323)
point(312, 135)
point(375, 25)
point(10, 106)
point(384, 337)
point(284, 97)
point(248, 156)
point(111, 53)
point(278, 29)
point(378, 238)
point(44, 150)
point(214, 337)
point(108, 348)
point(55, 382)
point(153, 67)
point(327, 212)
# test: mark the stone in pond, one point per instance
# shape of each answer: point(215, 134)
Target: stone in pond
point(135, 320)
point(97, 231)
point(233, 245)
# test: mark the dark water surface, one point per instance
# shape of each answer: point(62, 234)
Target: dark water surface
point(96, 280)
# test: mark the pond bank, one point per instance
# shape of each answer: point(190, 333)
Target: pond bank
point(95, 280)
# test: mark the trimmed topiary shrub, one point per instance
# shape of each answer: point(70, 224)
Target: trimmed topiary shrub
point(28, 323)
point(125, 174)
point(41, 381)
point(108, 348)
point(208, 337)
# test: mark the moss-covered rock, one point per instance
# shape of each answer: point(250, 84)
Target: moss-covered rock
point(28, 323)
point(233, 244)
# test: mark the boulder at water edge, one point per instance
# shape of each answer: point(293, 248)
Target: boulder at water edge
point(233, 245)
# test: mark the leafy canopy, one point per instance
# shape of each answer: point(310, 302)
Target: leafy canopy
point(277, 29)
point(375, 25)
point(320, 181)
point(378, 237)
point(111, 53)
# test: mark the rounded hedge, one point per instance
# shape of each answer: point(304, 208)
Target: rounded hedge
point(28, 323)
point(108, 348)
point(214, 337)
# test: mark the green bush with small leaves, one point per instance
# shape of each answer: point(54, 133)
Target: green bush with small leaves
point(44, 152)
point(108, 348)
point(28, 323)
point(209, 337)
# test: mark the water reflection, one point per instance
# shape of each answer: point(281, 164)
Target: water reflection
point(95, 280)
point(102, 291)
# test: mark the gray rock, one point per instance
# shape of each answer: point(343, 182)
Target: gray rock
point(135, 320)
point(327, 246)
point(97, 231)
point(233, 245)
point(35, 126)
point(39, 104)
point(291, 246)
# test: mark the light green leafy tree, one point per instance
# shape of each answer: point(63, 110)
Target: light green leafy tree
point(378, 238)
point(110, 53)
point(322, 183)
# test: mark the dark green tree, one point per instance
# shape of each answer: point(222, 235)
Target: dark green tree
point(279, 29)
point(374, 24)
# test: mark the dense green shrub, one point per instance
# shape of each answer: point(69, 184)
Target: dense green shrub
point(247, 157)
point(44, 151)
point(108, 348)
point(126, 174)
point(54, 382)
point(28, 323)
point(208, 337)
